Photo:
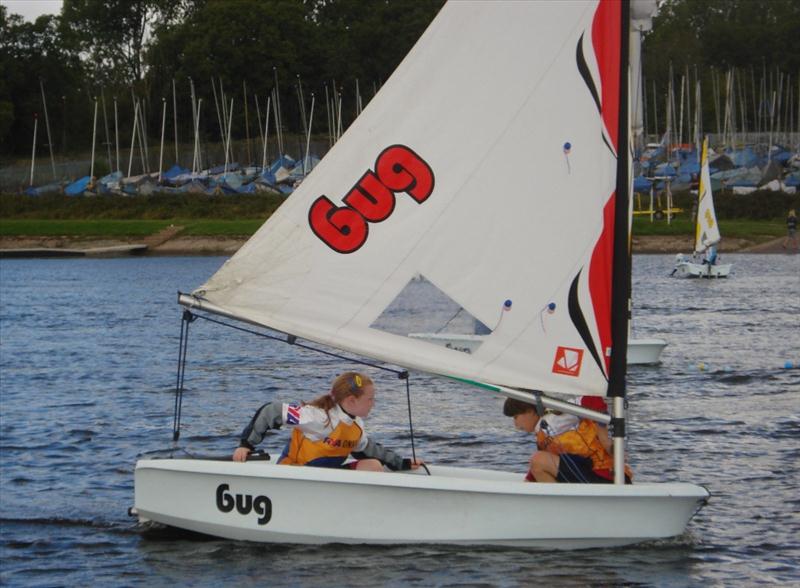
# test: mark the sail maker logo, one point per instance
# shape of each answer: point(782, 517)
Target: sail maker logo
point(568, 361)
point(372, 199)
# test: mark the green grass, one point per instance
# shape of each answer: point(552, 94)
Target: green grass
point(241, 216)
point(125, 228)
point(221, 228)
point(751, 228)
point(735, 228)
point(79, 228)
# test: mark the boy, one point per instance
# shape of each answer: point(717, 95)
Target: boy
point(569, 449)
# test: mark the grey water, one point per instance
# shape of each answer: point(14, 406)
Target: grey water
point(88, 357)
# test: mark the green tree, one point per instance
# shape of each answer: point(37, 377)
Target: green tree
point(714, 36)
point(112, 34)
point(31, 53)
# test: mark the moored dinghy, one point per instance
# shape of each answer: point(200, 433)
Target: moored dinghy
point(403, 194)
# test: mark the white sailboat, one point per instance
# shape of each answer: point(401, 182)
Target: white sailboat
point(477, 209)
point(707, 233)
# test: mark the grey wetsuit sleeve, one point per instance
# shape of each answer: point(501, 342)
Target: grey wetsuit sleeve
point(386, 456)
point(269, 416)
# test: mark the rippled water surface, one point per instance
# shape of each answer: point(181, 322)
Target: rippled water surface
point(88, 351)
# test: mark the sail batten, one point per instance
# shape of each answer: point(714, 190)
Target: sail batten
point(511, 215)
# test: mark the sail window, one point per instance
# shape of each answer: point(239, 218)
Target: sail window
point(423, 311)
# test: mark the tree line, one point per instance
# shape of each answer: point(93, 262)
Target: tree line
point(121, 52)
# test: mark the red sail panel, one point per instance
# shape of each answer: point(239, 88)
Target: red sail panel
point(606, 31)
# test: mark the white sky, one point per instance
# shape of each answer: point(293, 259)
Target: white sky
point(31, 9)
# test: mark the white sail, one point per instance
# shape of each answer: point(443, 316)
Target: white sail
point(707, 230)
point(427, 182)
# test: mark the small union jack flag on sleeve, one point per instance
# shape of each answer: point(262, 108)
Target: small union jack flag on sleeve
point(293, 414)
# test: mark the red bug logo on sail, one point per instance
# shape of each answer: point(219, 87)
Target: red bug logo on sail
point(568, 361)
point(371, 199)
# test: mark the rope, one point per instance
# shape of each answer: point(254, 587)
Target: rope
point(444, 326)
point(404, 376)
point(187, 318)
point(292, 340)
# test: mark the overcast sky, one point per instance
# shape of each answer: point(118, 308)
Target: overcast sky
point(31, 9)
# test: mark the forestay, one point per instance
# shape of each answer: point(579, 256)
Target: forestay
point(707, 230)
point(487, 164)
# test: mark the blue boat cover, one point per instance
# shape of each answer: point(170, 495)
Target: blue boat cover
point(78, 187)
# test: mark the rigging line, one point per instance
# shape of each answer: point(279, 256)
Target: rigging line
point(440, 329)
point(410, 425)
point(292, 340)
point(183, 345)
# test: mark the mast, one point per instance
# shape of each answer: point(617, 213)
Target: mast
point(246, 124)
point(175, 119)
point(228, 141)
point(163, 126)
point(133, 136)
point(621, 285)
point(105, 124)
point(308, 138)
point(196, 161)
point(276, 105)
point(33, 153)
point(47, 127)
point(258, 115)
point(116, 132)
point(94, 140)
point(266, 137)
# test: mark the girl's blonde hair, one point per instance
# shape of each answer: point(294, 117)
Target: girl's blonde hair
point(346, 384)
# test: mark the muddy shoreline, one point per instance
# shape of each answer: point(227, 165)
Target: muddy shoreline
point(182, 245)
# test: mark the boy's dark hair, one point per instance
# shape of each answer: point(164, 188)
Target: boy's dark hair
point(512, 407)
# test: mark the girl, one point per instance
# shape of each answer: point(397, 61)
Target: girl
point(327, 430)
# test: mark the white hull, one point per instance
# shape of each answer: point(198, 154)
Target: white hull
point(645, 351)
point(688, 269)
point(455, 506)
point(640, 351)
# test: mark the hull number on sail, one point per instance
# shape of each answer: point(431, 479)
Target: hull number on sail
point(372, 199)
point(244, 504)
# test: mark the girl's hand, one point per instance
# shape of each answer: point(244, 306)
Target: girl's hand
point(241, 454)
point(415, 463)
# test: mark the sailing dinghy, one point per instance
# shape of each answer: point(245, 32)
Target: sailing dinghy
point(430, 182)
point(707, 233)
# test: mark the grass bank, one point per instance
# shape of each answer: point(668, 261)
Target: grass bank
point(125, 228)
point(239, 216)
point(752, 230)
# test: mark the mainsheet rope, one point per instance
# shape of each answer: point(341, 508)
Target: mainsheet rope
point(186, 319)
point(189, 317)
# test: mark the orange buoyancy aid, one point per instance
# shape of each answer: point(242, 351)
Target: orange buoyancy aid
point(583, 441)
point(336, 446)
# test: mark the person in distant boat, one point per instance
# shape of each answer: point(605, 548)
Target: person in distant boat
point(711, 255)
point(569, 449)
point(326, 431)
point(791, 228)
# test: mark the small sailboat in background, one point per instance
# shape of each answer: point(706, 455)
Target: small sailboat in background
point(707, 234)
point(411, 191)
